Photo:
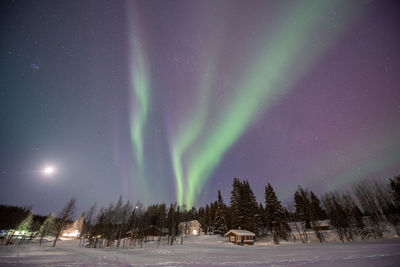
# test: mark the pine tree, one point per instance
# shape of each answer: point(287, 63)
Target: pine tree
point(220, 223)
point(237, 216)
point(250, 209)
point(275, 215)
point(213, 208)
point(261, 222)
point(301, 203)
point(228, 216)
point(244, 207)
point(316, 207)
point(207, 218)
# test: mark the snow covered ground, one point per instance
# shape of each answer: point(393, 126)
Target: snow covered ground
point(207, 251)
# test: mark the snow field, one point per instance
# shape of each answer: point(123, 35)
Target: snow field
point(206, 251)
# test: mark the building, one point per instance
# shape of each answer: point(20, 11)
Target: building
point(73, 230)
point(190, 228)
point(240, 237)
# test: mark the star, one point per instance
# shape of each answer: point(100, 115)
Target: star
point(35, 67)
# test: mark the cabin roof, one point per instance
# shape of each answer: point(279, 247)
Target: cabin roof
point(191, 223)
point(240, 232)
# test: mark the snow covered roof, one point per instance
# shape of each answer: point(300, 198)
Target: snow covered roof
point(241, 232)
point(191, 223)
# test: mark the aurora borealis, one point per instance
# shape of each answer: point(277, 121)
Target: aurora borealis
point(166, 101)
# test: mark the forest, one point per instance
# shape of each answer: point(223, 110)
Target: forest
point(365, 211)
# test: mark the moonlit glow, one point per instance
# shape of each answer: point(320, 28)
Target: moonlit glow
point(49, 170)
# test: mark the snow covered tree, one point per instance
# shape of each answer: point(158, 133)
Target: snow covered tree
point(26, 223)
point(65, 215)
point(244, 207)
point(48, 227)
point(213, 209)
point(228, 216)
point(220, 222)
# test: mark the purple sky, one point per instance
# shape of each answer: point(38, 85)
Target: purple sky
point(73, 71)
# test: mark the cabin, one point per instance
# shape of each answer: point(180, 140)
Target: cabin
point(190, 228)
point(240, 237)
point(72, 230)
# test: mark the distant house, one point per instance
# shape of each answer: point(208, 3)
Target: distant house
point(73, 230)
point(240, 237)
point(190, 228)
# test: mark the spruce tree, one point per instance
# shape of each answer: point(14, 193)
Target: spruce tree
point(220, 222)
point(252, 218)
point(207, 219)
point(302, 203)
point(275, 215)
point(319, 213)
point(237, 216)
point(213, 207)
point(244, 208)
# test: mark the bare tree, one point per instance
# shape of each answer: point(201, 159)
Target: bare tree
point(387, 204)
point(65, 215)
point(302, 234)
point(366, 196)
point(340, 209)
point(87, 227)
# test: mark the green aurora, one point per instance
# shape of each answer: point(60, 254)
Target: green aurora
point(270, 76)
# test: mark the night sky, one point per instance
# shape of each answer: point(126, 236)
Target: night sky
point(165, 101)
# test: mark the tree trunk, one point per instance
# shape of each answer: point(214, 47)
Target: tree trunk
point(55, 240)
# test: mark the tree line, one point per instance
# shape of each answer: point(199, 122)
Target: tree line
point(363, 212)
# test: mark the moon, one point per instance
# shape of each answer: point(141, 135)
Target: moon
point(49, 170)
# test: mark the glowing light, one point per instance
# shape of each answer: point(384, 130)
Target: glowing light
point(49, 170)
point(139, 103)
point(73, 233)
point(195, 122)
point(285, 57)
point(139, 94)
